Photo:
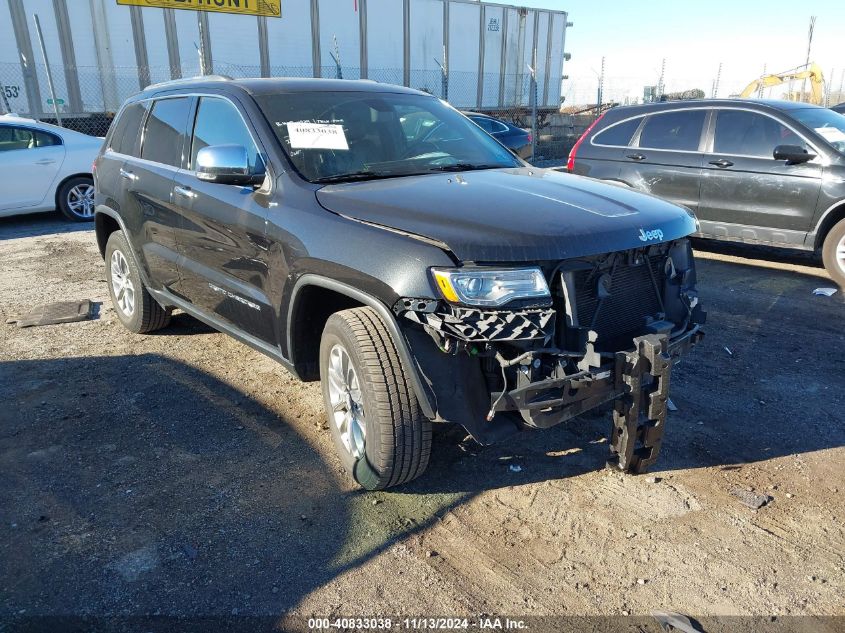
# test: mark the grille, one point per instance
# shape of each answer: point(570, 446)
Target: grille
point(631, 297)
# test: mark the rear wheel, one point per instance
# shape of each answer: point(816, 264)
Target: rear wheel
point(833, 253)
point(381, 434)
point(135, 307)
point(76, 199)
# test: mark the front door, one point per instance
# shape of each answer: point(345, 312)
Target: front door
point(29, 162)
point(746, 193)
point(665, 159)
point(221, 235)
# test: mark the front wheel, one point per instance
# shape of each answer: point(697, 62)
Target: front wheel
point(381, 434)
point(833, 253)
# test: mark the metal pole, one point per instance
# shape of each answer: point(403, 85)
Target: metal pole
point(660, 82)
point(200, 50)
point(533, 96)
point(809, 48)
point(716, 83)
point(444, 76)
point(49, 72)
point(5, 99)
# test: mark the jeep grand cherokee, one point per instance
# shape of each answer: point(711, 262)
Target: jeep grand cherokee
point(374, 238)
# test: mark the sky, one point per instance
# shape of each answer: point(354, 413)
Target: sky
point(694, 38)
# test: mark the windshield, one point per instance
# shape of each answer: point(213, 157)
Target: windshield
point(337, 136)
point(826, 123)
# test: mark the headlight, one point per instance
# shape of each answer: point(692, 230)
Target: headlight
point(480, 287)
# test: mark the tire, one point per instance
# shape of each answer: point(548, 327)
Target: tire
point(396, 443)
point(833, 253)
point(135, 307)
point(75, 199)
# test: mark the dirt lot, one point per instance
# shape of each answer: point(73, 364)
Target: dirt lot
point(184, 474)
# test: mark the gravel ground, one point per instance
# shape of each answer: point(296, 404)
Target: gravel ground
point(184, 474)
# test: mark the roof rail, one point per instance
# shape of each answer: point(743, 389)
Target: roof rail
point(184, 80)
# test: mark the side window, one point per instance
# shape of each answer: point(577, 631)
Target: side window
point(12, 138)
point(498, 126)
point(165, 131)
point(45, 139)
point(618, 135)
point(483, 122)
point(679, 130)
point(219, 123)
point(740, 132)
point(125, 135)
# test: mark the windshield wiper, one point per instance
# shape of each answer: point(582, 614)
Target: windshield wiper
point(464, 167)
point(355, 175)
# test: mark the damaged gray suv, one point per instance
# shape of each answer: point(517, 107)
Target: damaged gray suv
point(374, 238)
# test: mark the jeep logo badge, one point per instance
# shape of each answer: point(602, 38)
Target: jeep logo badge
point(647, 236)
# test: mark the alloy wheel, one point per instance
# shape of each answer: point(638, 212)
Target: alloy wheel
point(80, 200)
point(346, 400)
point(121, 283)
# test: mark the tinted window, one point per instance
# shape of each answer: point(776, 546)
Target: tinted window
point(165, 131)
point(485, 123)
point(619, 134)
point(219, 123)
point(750, 134)
point(674, 130)
point(12, 138)
point(45, 139)
point(125, 134)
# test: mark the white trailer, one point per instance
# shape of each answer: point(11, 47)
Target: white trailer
point(476, 54)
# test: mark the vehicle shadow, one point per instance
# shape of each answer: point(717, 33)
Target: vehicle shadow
point(36, 224)
point(140, 485)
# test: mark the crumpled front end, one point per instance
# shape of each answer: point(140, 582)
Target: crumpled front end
point(610, 331)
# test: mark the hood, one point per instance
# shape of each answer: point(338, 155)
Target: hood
point(512, 215)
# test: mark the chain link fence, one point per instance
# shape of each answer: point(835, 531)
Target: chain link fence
point(87, 99)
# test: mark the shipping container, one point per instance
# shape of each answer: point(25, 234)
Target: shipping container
point(476, 55)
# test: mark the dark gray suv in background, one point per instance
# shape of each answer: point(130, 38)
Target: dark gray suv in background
point(420, 277)
point(762, 172)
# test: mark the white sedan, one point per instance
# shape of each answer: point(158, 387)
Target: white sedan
point(44, 167)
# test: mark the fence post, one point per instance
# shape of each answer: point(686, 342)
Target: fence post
point(533, 97)
point(49, 72)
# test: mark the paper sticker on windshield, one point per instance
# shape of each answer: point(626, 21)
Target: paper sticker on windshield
point(831, 134)
point(316, 136)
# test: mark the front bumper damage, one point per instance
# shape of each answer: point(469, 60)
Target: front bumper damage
point(535, 366)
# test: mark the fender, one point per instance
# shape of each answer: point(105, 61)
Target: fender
point(310, 279)
point(813, 238)
point(105, 210)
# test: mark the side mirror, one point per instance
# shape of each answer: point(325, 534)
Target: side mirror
point(226, 165)
point(793, 154)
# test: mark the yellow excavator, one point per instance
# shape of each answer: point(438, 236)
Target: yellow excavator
point(811, 71)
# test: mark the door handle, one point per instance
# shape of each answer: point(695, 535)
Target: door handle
point(184, 191)
point(45, 161)
point(127, 174)
point(722, 162)
point(636, 156)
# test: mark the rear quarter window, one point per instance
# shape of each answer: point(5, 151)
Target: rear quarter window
point(124, 136)
point(619, 134)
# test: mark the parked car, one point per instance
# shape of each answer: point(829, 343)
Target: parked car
point(839, 108)
point(421, 278)
point(514, 138)
point(44, 167)
point(756, 171)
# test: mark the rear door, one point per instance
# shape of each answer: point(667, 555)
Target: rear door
point(666, 156)
point(746, 193)
point(221, 235)
point(146, 197)
point(30, 160)
point(608, 149)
